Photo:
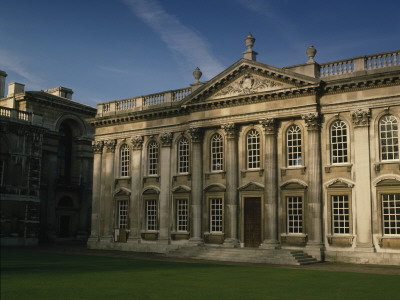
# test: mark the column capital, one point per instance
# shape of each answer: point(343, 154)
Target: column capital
point(230, 130)
point(360, 117)
point(166, 139)
point(97, 146)
point(312, 120)
point(110, 145)
point(269, 125)
point(196, 134)
point(137, 142)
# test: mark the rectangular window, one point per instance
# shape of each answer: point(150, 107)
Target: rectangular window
point(216, 215)
point(391, 214)
point(294, 214)
point(340, 214)
point(294, 146)
point(182, 215)
point(183, 155)
point(151, 215)
point(123, 214)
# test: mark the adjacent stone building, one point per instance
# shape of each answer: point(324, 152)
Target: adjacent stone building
point(45, 165)
point(304, 157)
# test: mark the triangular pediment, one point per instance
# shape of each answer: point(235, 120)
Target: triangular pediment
point(251, 186)
point(248, 84)
point(246, 78)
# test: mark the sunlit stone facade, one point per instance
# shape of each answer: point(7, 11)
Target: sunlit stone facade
point(303, 157)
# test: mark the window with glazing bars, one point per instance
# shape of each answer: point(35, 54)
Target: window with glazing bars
point(391, 214)
point(151, 215)
point(339, 153)
point(123, 214)
point(294, 214)
point(182, 215)
point(216, 215)
point(294, 146)
point(340, 214)
point(389, 138)
point(153, 158)
point(183, 155)
point(125, 160)
point(217, 153)
point(253, 149)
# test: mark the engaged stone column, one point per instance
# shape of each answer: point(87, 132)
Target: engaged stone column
point(271, 186)
point(196, 135)
point(107, 197)
point(165, 177)
point(231, 201)
point(136, 184)
point(313, 209)
point(96, 193)
point(363, 180)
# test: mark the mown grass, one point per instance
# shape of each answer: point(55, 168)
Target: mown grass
point(27, 274)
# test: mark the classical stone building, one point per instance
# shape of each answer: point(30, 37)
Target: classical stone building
point(45, 165)
point(304, 158)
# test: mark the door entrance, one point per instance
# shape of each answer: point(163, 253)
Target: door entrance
point(252, 222)
point(64, 226)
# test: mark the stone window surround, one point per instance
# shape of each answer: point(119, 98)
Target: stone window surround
point(347, 143)
point(214, 195)
point(381, 160)
point(293, 193)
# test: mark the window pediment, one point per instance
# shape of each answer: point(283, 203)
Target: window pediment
point(181, 189)
point(294, 184)
point(252, 186)
point(122, 192)
point(215, 187)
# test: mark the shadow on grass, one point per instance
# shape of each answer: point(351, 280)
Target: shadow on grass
point(28, 274)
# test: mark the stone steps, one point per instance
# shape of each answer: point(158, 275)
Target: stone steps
point(267, 256)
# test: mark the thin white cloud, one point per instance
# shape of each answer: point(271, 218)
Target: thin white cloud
point(180, 39)
point(12, 63)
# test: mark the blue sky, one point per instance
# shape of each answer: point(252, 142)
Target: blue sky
point(107, 50)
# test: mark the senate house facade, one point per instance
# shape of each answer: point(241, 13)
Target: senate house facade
point(299, 159)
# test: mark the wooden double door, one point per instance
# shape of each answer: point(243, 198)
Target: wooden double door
point(252, 222)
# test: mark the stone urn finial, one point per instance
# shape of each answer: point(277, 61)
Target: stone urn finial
point(311, 51)
point(249, 41)
point(197, 74)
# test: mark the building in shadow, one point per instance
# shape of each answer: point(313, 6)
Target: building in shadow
point(46, 163)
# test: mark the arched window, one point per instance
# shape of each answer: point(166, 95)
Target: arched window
point(253, 149)
point(389, 138)
point(152, 158)
point(217, 152)
point(339, 151)
point(183, 155)
point(293, 138)
point(124, 160)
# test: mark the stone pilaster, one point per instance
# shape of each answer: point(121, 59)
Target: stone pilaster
point(96, 193)
point(196, 135)
point(313, 207)
point(136, 187)
point(165, 184)
point(107, 190)
point(231, 201)
point(271, 185)
point(362, 171)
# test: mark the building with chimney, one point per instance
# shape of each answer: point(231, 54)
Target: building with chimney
point(260, 163)
point(45, 165)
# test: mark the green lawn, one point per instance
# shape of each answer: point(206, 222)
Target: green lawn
point(27, 274)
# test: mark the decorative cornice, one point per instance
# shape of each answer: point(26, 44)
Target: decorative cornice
point(196, 134)
point(110, 145)
point(166, 139)
point(360, 117)
point(269, 125)
point(230, 130)
point(137, 142)
point(97, 146)
point(312, 120)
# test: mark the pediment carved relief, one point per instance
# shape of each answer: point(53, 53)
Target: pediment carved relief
point(249, 84)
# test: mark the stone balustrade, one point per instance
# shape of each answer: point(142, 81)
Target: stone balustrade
point(15, 114)
point(141, 103)
point(360, 63)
